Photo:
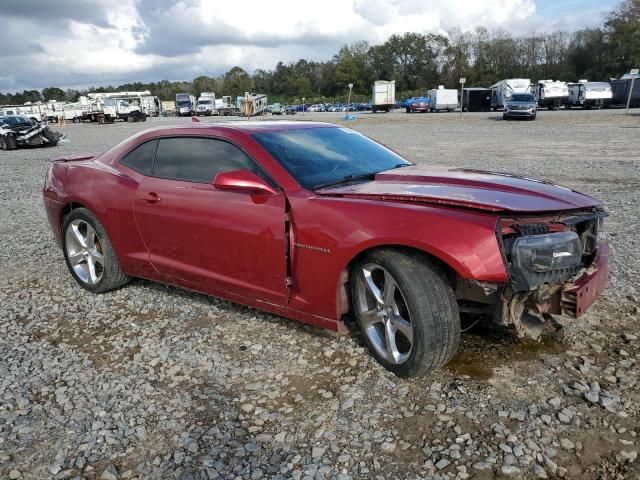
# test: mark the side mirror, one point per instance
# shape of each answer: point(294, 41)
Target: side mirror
point(242, 181)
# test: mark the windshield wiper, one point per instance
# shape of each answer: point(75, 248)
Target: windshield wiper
point(346, 179)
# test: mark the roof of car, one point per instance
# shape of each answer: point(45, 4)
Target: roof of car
point(252, 126)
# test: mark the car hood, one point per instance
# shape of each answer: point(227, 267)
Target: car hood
point(477, 189)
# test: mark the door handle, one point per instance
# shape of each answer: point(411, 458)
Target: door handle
point(151, 197)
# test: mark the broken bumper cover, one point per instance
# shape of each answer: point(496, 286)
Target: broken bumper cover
point(576, 297)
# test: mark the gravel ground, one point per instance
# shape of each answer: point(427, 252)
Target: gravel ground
point(154, 382)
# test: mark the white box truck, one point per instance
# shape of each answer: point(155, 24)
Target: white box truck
point(206, 104)
point(383, 96)
point(443, 99)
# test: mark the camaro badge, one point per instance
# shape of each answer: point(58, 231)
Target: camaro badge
point(312, 247)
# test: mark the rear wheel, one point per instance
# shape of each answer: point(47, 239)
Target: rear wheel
point(406, 310)
point(89, 254)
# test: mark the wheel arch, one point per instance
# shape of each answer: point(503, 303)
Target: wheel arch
point(343, 300)
point(67, 209)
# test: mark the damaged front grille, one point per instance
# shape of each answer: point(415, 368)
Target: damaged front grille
point(530, 229)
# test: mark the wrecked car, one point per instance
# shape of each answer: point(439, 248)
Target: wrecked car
point(318, 223)
point(20, 131)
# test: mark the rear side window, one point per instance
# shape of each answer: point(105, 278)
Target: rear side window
point(198, 159)
point(140, 158)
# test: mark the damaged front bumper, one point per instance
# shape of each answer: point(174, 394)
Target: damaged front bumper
point(577, 296)
point(530, 310)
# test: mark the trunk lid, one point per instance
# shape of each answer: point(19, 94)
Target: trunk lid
point(73, 158)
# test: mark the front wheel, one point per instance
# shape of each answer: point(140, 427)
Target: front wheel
point(89, 254)
point(406, 311)
point(8, 142)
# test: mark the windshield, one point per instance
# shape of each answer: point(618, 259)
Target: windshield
point(317, 157)
point(204, 102)
point(522, 97)
point(14, 121)
point(183, 99)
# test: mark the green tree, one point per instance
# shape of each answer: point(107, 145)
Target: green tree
point(237, 81)
point(53, 93)
point(623, 27)
point(203, 84)
point(352, 66)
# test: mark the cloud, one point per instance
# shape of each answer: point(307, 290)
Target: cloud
point(78, 43)
point(86, 11)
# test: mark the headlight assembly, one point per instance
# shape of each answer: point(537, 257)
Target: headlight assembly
point(543, 253)
point(547, 258)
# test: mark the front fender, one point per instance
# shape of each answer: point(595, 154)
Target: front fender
point(332, 232)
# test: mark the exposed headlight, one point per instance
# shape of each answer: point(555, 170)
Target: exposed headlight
point(544, 253)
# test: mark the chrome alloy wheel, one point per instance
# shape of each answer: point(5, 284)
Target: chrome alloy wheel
point(383, 314)
point(84, 251)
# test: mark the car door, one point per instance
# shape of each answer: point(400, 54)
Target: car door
point(231, 241)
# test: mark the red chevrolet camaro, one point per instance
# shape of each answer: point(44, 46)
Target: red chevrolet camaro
point(316, 222)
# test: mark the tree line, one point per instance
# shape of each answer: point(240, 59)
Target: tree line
point(417, 62)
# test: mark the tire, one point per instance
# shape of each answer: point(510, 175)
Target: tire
point(534, 116)
point(408, 110)
point(422, 303)
point(8, 142)
point(504, 117)
point(107, 275)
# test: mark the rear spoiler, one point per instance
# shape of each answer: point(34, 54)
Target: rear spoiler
point(73, 158)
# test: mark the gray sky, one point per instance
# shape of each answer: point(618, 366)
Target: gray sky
point(79, 43)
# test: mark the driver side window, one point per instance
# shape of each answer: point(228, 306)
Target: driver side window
point(194, 159)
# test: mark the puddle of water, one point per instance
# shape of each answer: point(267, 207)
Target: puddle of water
point(480, 354)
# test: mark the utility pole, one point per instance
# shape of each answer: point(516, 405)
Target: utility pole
point(463, 80)
point(634, 73)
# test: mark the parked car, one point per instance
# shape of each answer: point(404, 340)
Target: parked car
point(316, 222)
point(521, 105)
point(419, 104)
point(20, 131)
